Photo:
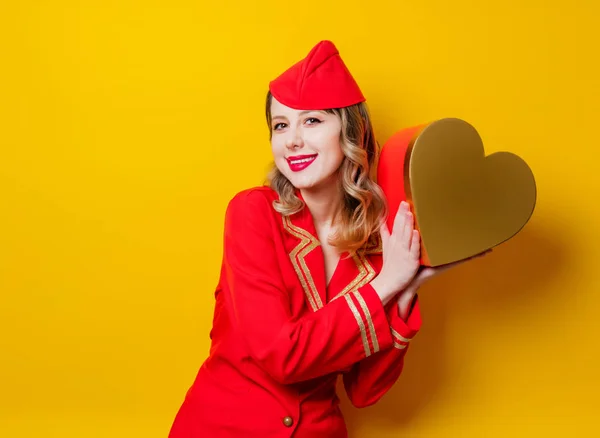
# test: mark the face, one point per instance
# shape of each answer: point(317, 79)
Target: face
point(306, 145)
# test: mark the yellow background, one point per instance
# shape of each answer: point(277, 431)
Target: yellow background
point(126, 126)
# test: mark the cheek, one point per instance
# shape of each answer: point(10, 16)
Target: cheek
point(333, 148)
point(277, 148)
point(323, 141)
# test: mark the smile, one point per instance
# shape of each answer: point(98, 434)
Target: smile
point(300, 162)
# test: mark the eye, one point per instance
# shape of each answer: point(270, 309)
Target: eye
point(276, 125)
point(315, 119)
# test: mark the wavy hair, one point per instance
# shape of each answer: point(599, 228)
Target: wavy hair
point(363, 209)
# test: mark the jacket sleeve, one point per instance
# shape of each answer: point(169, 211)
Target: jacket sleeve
point(289, 348)
point(368, 380)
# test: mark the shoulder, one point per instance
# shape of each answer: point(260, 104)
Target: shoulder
point(254, 197)
point(252, 205)
point(256, 193)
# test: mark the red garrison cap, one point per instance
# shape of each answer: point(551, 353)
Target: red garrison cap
point(318, 82)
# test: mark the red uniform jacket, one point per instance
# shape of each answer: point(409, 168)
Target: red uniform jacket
point(281, 336)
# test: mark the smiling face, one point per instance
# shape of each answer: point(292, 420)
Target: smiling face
point(306, 145)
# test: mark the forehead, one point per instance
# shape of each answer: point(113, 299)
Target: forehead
point(280, 110)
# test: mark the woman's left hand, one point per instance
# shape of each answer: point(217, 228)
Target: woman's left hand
point(428, 272)
point(425, 273)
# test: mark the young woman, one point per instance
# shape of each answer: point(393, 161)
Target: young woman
point(313, 284)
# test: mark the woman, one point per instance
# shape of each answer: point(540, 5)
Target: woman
point(313, 285)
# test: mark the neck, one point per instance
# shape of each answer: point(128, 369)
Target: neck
point(323, 204)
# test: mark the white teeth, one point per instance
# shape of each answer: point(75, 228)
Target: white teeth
point(304, 160)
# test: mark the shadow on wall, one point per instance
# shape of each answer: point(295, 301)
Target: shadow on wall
point(518, 270)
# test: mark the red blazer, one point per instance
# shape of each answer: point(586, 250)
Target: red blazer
point(281, 336)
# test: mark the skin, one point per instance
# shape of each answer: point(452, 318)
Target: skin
point(296, 132)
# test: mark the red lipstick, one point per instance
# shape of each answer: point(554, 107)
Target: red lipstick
point(300, 162)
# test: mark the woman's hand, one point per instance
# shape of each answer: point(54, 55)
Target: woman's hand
point(428, 272)
point(401, 255)
point(424, 274)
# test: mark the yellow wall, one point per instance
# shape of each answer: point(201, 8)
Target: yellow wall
point(126, 126)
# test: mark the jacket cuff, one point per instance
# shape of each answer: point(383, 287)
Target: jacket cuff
point(372, 319)
point(403, 331)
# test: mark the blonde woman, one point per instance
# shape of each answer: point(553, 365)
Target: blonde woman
point(313, 285)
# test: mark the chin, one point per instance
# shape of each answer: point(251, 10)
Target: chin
point(308, 183)
point(302, 183)
point(308, 179)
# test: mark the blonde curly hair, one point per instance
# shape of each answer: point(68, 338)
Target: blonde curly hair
point(363, 209)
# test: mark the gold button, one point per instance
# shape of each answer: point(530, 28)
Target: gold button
point(288, 421)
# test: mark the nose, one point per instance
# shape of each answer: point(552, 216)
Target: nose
point(295, 140)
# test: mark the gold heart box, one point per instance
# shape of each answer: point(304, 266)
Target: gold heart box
point(464, 202)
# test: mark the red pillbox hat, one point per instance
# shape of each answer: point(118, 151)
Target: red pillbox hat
point(318, 82)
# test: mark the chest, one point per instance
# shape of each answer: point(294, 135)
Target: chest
point(331, 255)
point(317, 273)
point(331, 259)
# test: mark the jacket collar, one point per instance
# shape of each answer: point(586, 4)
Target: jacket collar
point(309, 263)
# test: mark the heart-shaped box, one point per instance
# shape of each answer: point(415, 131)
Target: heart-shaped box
point(464, 202)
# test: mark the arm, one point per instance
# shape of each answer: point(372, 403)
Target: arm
point(289, 348)
point(371, 378)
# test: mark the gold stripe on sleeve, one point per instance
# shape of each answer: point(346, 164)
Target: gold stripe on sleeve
point(365, 309)
point(399, 346)
point(361, 325)
point(399, 336)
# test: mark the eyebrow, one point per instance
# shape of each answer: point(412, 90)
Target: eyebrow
point(301, 113)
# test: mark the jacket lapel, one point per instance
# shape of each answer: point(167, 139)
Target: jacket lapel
point(307, 257)
point(356, 271)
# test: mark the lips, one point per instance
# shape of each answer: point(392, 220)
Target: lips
point(300, 162)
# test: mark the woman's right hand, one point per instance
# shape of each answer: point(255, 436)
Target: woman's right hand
point(401, 255)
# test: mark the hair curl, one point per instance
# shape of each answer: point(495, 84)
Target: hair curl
point(363, 209)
